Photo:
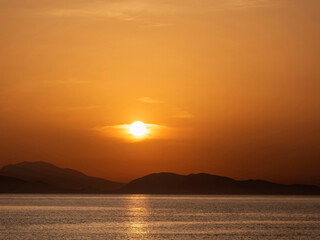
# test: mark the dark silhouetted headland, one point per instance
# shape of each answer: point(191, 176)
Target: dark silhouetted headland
point(41, 177)
point(202, 183)
point(56, 179)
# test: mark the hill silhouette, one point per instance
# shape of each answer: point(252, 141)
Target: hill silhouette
point(202, 183)
point(14, 185)
point(42, 177)
point(57, 179)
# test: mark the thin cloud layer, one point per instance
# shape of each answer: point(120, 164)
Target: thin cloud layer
point(149, 100)
point(72, 81)
point(183, 115)
point(131, 10)
point(122, 131)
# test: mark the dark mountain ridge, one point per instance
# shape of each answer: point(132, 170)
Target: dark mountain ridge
point(15, 185)
point(203, 183)
point(42, 177)
point(58, 179)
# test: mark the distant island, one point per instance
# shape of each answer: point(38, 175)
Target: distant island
point(42, 177)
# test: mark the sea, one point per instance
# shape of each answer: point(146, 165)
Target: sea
point(158, 217)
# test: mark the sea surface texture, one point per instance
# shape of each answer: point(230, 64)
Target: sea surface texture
point(158, 217)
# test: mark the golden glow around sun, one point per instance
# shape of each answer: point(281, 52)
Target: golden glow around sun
point(138, 129)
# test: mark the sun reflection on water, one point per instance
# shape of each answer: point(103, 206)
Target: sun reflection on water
point(138, 215)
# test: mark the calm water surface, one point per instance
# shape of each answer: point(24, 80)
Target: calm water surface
point(158, 217)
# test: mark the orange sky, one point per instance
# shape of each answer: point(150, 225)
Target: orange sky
point(232, 86)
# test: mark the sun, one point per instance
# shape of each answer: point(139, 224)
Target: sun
point(138, 129)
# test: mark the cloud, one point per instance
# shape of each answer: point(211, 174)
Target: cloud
point(72, 81)
point(240, 4)
point(126, 10)
point(148, 13)
point(121, 131)
point(91, 13)
point(183, 114)
point(149, 100)
point(161, 25)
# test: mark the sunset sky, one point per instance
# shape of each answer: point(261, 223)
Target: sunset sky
point(228, 87)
